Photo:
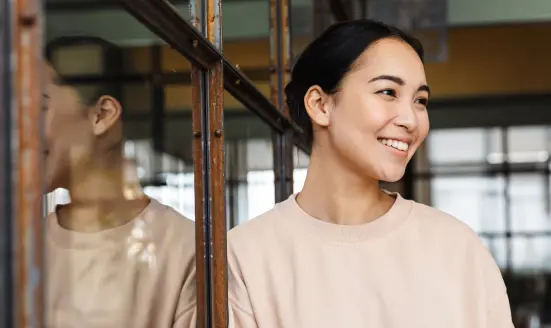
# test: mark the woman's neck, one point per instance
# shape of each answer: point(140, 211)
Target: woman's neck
point(98, 200)
point(334, 193)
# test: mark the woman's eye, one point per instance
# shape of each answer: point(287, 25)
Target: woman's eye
point(422, 101)
point(388, 92)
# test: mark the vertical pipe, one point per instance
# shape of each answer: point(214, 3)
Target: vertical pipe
point(408, 180)
point(208, 129)
point(322, 17)
point(232, 182)
point(201, 243)
point(157, 101)
point(507, 200)
point(28, 240)
point(199, 162)
point(280, 68)
point(216, 166)
point(6, 273)
point(157, 112)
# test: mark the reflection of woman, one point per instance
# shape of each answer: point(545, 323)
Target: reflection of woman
point(132, 188)
point(113, 261)
point(343, 253)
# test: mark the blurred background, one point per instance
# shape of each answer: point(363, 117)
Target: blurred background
point(486, 161)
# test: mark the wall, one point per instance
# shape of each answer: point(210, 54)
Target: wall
point(483, 61)
point(497, 61)
point(119, 27)
point(478, 12)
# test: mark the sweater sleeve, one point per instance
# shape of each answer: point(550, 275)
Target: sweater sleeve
point(498, 309)
point(186, 308)
point(187, 319)
point(239, 318)
point(499, 313)
point(241, 314)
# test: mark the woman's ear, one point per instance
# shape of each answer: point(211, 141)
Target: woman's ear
point(318, 105)
point(107, 112)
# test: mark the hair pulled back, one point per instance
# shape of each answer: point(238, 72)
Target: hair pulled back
point(327, 60)
point(89, 94)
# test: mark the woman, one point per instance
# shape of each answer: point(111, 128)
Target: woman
point(343, 253)
point(115, 259)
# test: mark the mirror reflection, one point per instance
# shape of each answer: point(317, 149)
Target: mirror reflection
point(120, 231)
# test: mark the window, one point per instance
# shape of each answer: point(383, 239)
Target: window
point(455, 146)
point(463, 172)
point(477, 201)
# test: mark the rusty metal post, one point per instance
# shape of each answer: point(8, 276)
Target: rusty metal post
point(208, 130)
point(6, 267)
point(280, 69)
point(28, 216)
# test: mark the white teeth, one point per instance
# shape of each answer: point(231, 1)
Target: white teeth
point(400, 145)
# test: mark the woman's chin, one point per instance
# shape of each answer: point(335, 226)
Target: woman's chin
point(391, 175)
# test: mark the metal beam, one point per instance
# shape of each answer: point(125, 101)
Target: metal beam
point(87, 5)
point(209, 169)
point(28, 240)
point(164, 20)
point(166, 78)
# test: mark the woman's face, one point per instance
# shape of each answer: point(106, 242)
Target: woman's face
point(378, 118)
point(68, 132)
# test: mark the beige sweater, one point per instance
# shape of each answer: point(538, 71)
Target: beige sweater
point(139, 275)
point(414, 267)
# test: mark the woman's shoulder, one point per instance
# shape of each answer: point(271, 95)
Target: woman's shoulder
point(257, 227)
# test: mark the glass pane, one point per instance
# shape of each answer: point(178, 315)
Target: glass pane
point(249, 166)
point(529, 201)
point(531, 253)
point(526, 138)
point(422, 191)
point(528, 144)
point(456, 146)
point(301, 162)
point(498, 247)
point(260, 177)
point(299, 177)
point(477, 201)
point(118, 163)
point(261, 192)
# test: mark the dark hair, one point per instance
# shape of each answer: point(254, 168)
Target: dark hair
point(89, 93)
point(327, 60)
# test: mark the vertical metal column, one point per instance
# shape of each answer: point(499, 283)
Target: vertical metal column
point(6, 268)
point(236, 182)
point(280, 69)
point(507, 200)
point(28, 226)
point(322, 17)
point(157, 100)
point(408, 180)
point(157, 112)
point(208, 130)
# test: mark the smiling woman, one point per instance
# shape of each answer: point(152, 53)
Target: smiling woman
point(342, 252)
